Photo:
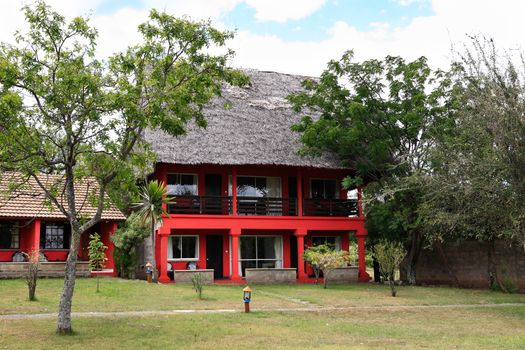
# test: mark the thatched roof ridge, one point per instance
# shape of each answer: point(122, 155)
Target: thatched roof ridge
point(23, 198)
point(253, 128)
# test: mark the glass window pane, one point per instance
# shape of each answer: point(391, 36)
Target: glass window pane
point(189, 247)
point(266, 247)
point(317, 188)
point(175, 244)
point(260, 187)
point(273, 187)
point(5, 235)
point(250, 264)
point(182, 184)
point(330, 189)
point(262, 264)
point(248, 248)
point(246, 186)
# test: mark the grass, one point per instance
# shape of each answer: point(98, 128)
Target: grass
point(476, 327)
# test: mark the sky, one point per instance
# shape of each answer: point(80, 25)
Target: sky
point(301, 36)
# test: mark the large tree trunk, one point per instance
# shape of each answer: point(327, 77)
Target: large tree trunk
point(410, 260)
point(439, 248)
point(493, 269)
point(64, 309)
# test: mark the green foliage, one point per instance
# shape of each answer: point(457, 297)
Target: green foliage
point(326, 259)
point(389, 255)
point(382, 118)
point(153, 196)
point(65, 112)
point(126, 240)
point(198, 282)
point(97, 257)
point(96, 249)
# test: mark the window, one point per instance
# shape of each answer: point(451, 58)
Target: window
point(323, 189)
point(183, 248)
point(54, 235)
point(333, 241)
point(9, 235)
point(182, 185)
point(260, 252)
point(254, 186)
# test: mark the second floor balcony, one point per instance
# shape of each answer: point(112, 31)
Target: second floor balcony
point(263, 206)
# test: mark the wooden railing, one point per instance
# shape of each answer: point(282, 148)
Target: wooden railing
point(267, 206)
point(330, 207)
point(262, 206)
point(200, 205)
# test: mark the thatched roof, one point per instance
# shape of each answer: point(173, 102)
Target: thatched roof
point(23, 198)
point(253, 128)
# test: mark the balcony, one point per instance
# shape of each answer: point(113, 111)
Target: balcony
point(262, 206)
point(330, 207)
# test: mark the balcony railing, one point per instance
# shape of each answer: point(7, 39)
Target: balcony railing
point(262, 206)
point(330, 207)
point(267, 206)
point(201, 205)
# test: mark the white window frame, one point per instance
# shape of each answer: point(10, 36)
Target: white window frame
point(170, 245)
point(196, 177)
point(281, 260)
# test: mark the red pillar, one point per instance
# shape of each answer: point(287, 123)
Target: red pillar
point(163, 259)
point(34, 243)
point(300, 233)
point(111, 227)
point(235, 234)
point(363, 275)
point(299, 193)
point(234, 192)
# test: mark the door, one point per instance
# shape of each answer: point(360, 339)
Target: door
point(214, 255)
point(213, 201)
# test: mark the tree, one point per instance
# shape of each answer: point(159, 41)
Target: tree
point(382, 118)
point(64, 112)
point(325, 259)
point(313, 255)
point(97, 257)
point(477, 189)
point(153, 197)
point(126, 240)
point(197, 281)
point(389, 255)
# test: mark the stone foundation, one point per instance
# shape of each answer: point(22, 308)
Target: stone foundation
point(270, 275)
point(47, 269)
point(344, 275)
point(184, 276)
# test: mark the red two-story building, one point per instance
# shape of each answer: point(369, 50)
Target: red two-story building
point(244, 198)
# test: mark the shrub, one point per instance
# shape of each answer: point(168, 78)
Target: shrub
point(324, 258)
point(33, 259)
point(389, 255)
point(198, 282)
point(97, 258)
point(126, 240)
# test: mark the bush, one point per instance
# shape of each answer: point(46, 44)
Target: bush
point(126, 240)
point(389, 255)
point(198, 282)
point(324, 258)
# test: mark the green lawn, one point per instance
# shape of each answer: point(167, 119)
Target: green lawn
point(476, 327)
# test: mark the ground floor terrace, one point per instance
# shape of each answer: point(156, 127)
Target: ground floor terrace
point(51, 240)
point(233, 248)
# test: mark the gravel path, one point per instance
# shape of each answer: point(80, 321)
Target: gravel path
point(290, 310)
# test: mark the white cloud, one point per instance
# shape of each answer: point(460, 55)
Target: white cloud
point(431, 36)
point(282, 11)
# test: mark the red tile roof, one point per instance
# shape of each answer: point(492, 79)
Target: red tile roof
point(28, 200)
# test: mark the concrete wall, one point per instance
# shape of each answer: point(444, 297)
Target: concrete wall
point(184, 276)
point(47, 269)
point(468, 263)
point(343, 275)
point(270, 275)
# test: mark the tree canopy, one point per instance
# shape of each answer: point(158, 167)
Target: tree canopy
point(63, 111)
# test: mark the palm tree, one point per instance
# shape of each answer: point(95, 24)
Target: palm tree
point(153, 196)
